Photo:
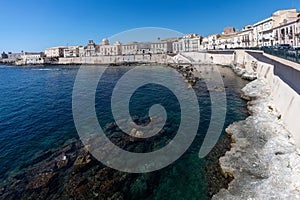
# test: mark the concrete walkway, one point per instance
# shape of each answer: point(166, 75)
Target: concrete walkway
point(288, 74)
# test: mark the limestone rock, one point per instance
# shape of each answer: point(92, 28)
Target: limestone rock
point(263, 159)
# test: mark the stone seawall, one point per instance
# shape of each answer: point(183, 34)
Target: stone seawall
point(218, 58)
point(264, 159)
point(286, 99)
point(154, 58)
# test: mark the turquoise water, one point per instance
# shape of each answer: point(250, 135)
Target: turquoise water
point(36, 115)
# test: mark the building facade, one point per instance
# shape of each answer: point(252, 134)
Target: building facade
point(177, 46)
point(212, 42)
point(55, 52)
point(246, 37)
point(297, 34)
point(109, 50)
point(188, 43)
point(130, 48)
point(161, 47)
point(91, 49)
point(191, 42)
point(285, 27)
point(136, 48)
point(286, 33)
point(12, 57)
point(262, 33)
point(30, 58)
point(72, 51)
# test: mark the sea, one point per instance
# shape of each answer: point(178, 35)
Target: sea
point(36, 116)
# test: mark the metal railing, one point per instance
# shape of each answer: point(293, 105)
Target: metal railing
point(292, 55)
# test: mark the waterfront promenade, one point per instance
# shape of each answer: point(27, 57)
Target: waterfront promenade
point(289, 74)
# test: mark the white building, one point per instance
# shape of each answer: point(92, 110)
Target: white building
point(136, 48)
point(263, 33)
point(12, 57)
point(235, 39)
point(177, 46)
point(246, 37)
point(211, 42)
point(161, 47)
point(192, 42)
point(71, 51)
point(105, 49)
point(91, 49)
point(286, 27)
point(55, 52)
point(130, 48)
point(189, 43)
point(229, 41)
point(82, 51)
point(286, 33)
point(31, 59)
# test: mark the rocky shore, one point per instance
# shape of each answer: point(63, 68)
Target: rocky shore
point(243, 73)
point(263, 159)
point(72, 173)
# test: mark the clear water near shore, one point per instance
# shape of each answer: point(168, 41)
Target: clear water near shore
point(36, 115)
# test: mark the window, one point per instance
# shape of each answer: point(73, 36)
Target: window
point(282, 33)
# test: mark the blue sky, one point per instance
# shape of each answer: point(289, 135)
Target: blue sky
point(33, 25)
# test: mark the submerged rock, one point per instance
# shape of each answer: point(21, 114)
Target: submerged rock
point(41, 180)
